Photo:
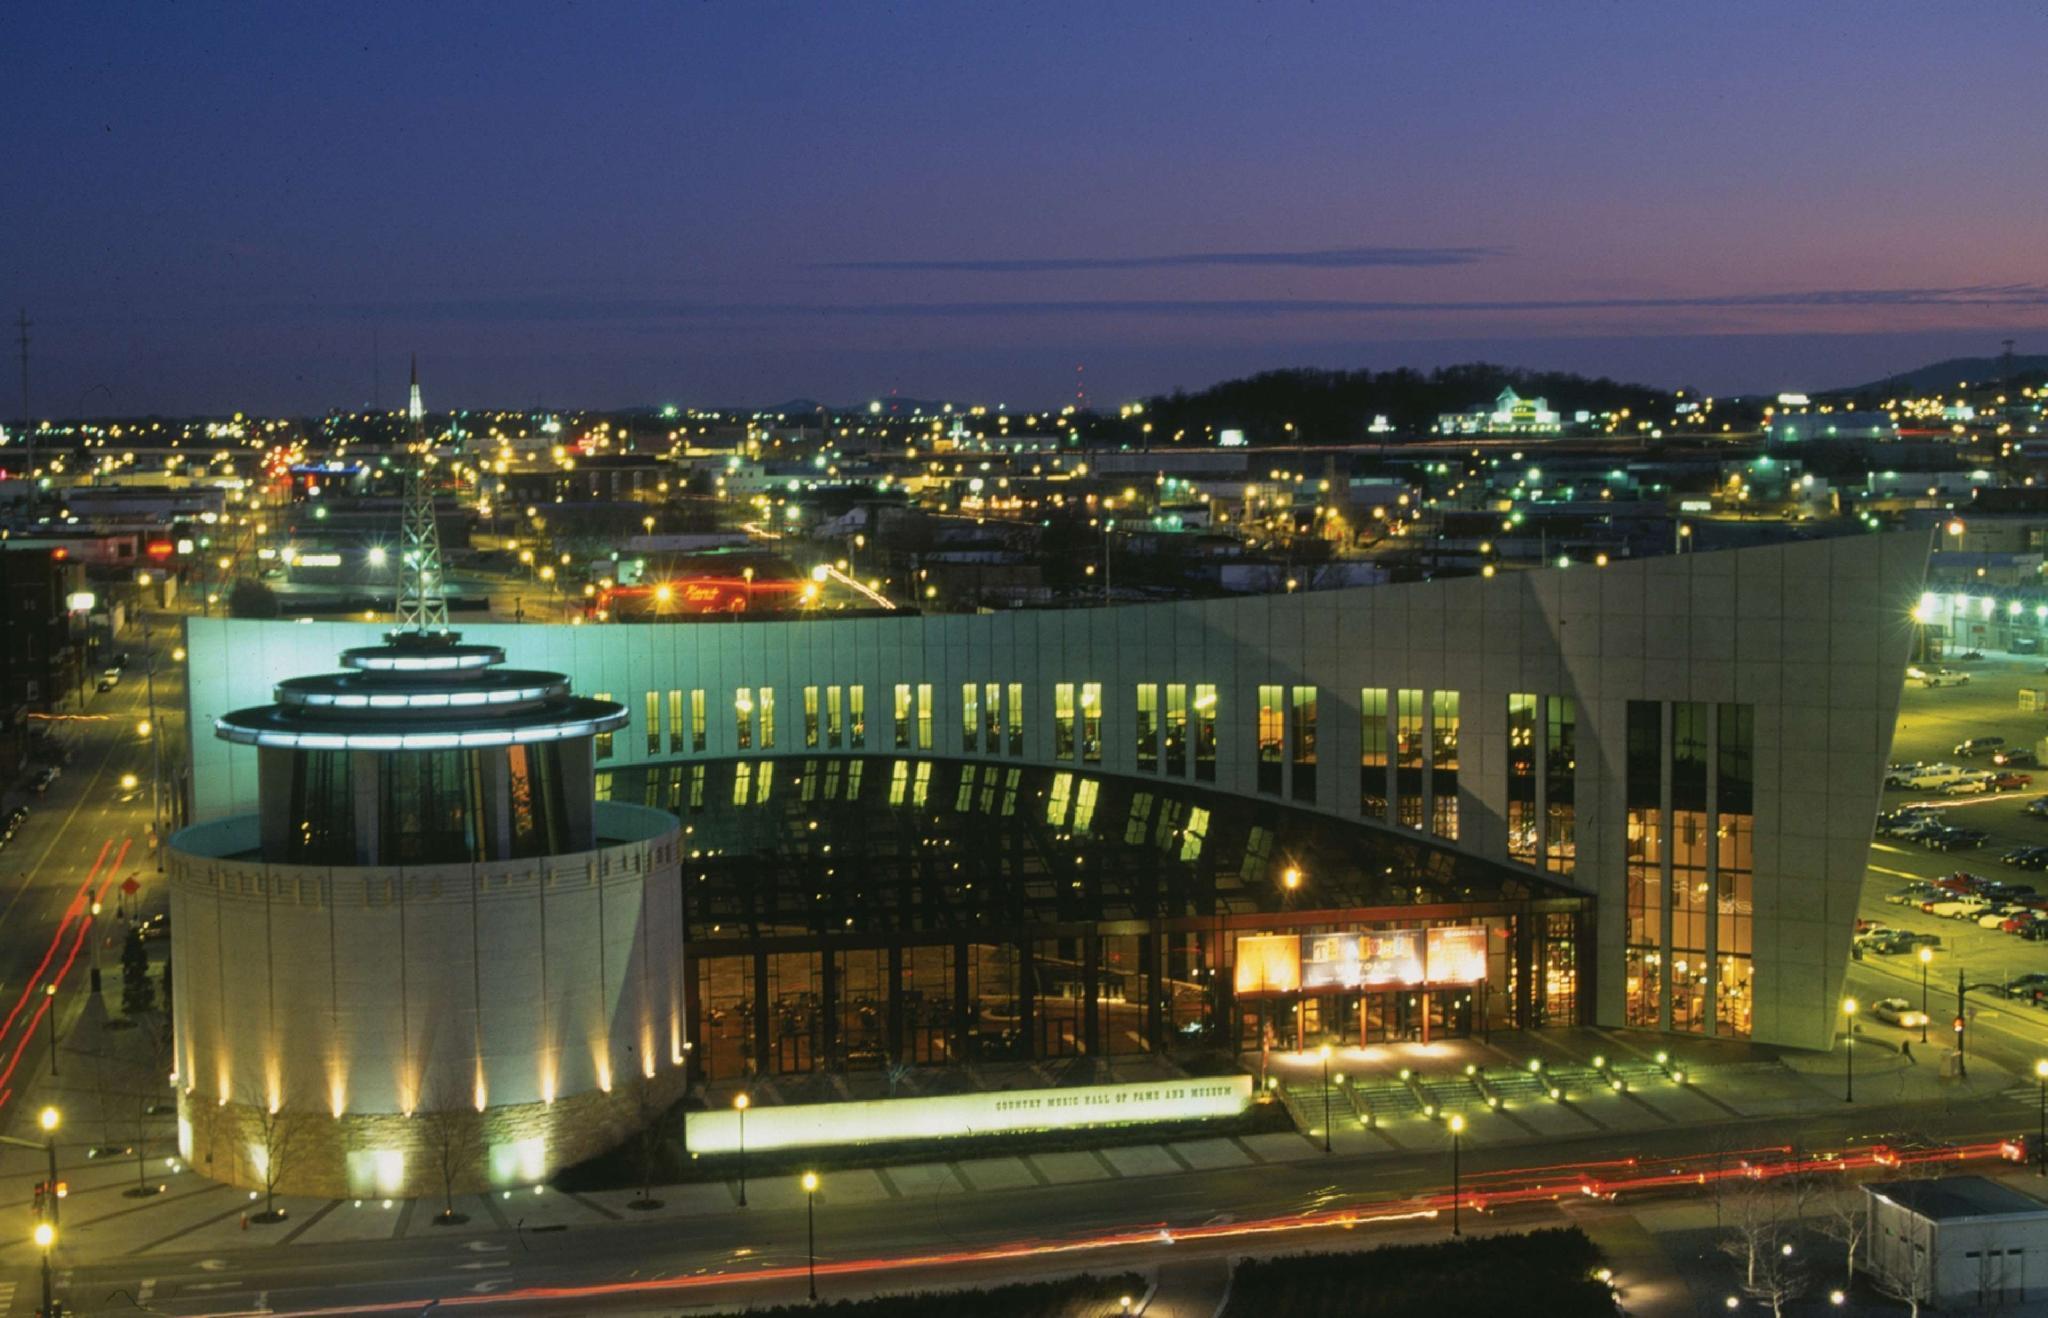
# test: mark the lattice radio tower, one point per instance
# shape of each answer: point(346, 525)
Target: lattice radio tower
point(422, 608)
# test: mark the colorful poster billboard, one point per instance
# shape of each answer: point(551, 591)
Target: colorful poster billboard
point(1359, 959)
point(1362, 959)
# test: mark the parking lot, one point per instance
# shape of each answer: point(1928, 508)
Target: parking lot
point(1932, 722)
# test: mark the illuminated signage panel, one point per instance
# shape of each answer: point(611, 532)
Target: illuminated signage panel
point(1457, 955)
point(1268, 963)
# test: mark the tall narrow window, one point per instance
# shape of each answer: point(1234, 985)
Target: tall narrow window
point(1205, 732)
point(857, 716)
point(675, 721)
point(604, 739)
point(1408, 755)
point(835, 718)
point(1148, 726)
point(970, 716)
point(1690, 841)
point(1015, 708)
point(1063, 721)
point(992, 717)
point(1643, 900)
point(1525, 832)
point(924, 716)
point(743, 718)
point(698, 723)
point(767, 718)
point(1560, 780)
point(902, 712)
point(1272, 738)
point(810, 718)
point(1091, 722)
point(1372, 752)
point(1177, 729)
point(653, 722)
point(1303, 714)
point(1734, 864)
point(1443, 763)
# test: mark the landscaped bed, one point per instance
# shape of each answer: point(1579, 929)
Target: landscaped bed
point(1085, 1296)
point(1542, 1272)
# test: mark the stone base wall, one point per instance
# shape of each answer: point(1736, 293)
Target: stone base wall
point(393, 1156)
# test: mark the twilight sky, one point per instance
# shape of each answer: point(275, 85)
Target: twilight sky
point(206, 207)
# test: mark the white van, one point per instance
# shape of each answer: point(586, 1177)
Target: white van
point(1930, 776)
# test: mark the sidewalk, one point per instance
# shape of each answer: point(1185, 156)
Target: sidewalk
point(104, 1075)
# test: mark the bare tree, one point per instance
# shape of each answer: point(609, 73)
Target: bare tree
point(281, 1138)
point(1749, 1213)
point(1844, 1218)
point(454, 1136)
point(1904, 1276)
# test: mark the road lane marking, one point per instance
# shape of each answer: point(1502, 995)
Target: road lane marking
point(1897, 874)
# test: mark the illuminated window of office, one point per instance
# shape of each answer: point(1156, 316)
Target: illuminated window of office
point(970, 716)
point(992, 717)
point(902, 712)
point(1063, 721)
point(1205, 732)
point(1302, 711)
point(857, 716)
point(1091, 722)
point(1408, 757)
point(604, 739)
point(653, 722)
point(699, 725)
point(1148, 726)
point(810, 718)
point(1177, 729)
point(925, 710)
point(1084, 805)
point(835, 718)
point(1443, 763)
point(1015, 709)
point(1372, 752)
point(1272, 738)
point(675, 721)
point(767, 718)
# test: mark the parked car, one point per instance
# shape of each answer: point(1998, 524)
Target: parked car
point(1959, 908)
point(2037, 807)
point(1898, 1011)
point(2010, 782)
point(1973, 746)
point(1943, 677)
point(1911, 896)
point(2016, 757)
point(1955, 839)
point(2017, 922)
point(1929, 776)
point(1970, 784)
point(110, 679)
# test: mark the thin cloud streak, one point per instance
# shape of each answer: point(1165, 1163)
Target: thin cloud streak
point(1335, 258)
point(552, 308)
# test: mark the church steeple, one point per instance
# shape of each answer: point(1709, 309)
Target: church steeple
point(413, 410)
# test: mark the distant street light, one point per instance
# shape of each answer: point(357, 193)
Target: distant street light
point(1926, 955)
point(1325, 1051)
point(739, 1102)
point(46, 1236)
point(49, 1119)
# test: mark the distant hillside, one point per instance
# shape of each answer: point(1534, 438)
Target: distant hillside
point(1953, 372)
point(1336, 406)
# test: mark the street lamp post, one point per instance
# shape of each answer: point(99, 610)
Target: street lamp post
point(49, 1119)
point(2040, 1149)
point(739, 1103)
point(1325, 1051)
point(1848, 1050)
point(811, 1229)
point(1926, 955)
point(46, 1236)
point(1457, 1129)
point(50, 997)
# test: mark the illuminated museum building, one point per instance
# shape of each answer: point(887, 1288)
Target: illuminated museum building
point(1635, 796)
point(429, 940)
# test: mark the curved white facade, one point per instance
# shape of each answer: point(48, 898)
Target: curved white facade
point(1805, 642)
point(538, 993)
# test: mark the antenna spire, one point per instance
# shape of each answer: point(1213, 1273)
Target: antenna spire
point(422, 607)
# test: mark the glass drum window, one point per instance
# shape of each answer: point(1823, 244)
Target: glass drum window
point(1372, 752)
point(1734, 898)
point(1015, 709)
point(1524, 831)
point(653, 722)
point(698, 722)
point(902, 715)
point(1205, 732)
point(970, 716)
point(604, 739)
point(1644, 886)
point(1063, 721)
point(1148, 726)
point(1177, 729)
point(925, 710)
point(1408, 754)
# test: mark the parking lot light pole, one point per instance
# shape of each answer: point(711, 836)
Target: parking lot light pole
point(739, 1102)
point(1848, 1050)
point(1457, 1129)
point(1926, 955)
point(2041, 1148)
point(811, 1230)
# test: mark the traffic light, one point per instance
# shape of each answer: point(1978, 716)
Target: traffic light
point(1959, 1025)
